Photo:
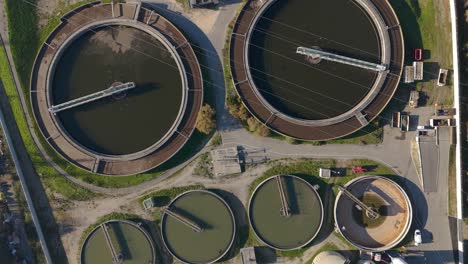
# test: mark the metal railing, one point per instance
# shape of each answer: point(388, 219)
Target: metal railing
point(316, 53)
point(92, 97)
point(285, 210)
point(195, 227)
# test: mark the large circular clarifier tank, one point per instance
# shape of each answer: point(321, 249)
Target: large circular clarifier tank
point(292, 85)
point(209, 212)
point(116, 94)
point(126, 123)
point(385, 197)
point(316, 70)
point(131, 244)
point(267, 217)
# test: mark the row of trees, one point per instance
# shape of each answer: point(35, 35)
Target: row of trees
point(238, 110)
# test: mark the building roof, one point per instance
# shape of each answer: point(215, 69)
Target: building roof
point(248, 255)
point(329, 257)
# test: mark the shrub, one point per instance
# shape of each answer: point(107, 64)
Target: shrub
point(206, 119)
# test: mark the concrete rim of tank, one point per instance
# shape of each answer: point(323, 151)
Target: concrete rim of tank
point(234, 228)
point(138, 26)
point(408, 223)
point(308, 185)
point(133, 224)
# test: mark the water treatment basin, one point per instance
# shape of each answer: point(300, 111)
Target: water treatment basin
point(272, 226)
point(207, 211)
point(129, 242)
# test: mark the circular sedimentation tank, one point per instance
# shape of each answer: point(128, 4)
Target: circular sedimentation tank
point(307, 97)
point(127, 132)
point(368, 232)
point(204, 210)
point(269, 220)
point(130, 243)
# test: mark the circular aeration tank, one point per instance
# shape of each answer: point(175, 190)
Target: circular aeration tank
point(130, 242)
point(269, 221)
point(211, 214)
point(383, 196)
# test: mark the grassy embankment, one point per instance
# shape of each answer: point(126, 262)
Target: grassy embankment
point(425, 25)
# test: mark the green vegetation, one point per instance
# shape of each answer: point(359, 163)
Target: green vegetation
point(206, 121)
point(216, 140)
point(50, 176)
point(426, 25)
point(452, 183)
point(204, 166)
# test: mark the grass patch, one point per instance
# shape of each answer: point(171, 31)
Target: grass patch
point(204, 166)
point(422, 28)
point(49, 176)
point(452, 183)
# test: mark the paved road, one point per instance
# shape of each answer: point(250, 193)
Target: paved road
point(429, 162)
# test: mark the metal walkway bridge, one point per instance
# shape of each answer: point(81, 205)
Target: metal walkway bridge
point(184, 220)
point(92, 97)
point(319, 54)
point(370, 212)
point(285, 210)
point(116, 257)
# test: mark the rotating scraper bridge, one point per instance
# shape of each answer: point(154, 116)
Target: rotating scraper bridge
point(95, 15)
point(388, 75)
point(120, 88)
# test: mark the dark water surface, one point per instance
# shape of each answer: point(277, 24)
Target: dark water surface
point(294, 86)
point(118, 124)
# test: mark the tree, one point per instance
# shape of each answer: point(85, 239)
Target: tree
point(206, 119)
point(263, 131)
point(242, 113)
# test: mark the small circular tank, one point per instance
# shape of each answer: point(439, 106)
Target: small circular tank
point(120, 240)
point(285, 212)
point(382, 229)
point(198, 227)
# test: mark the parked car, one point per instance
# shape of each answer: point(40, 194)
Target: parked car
point(418, 54)
point(393, 257)
point(417, 237)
